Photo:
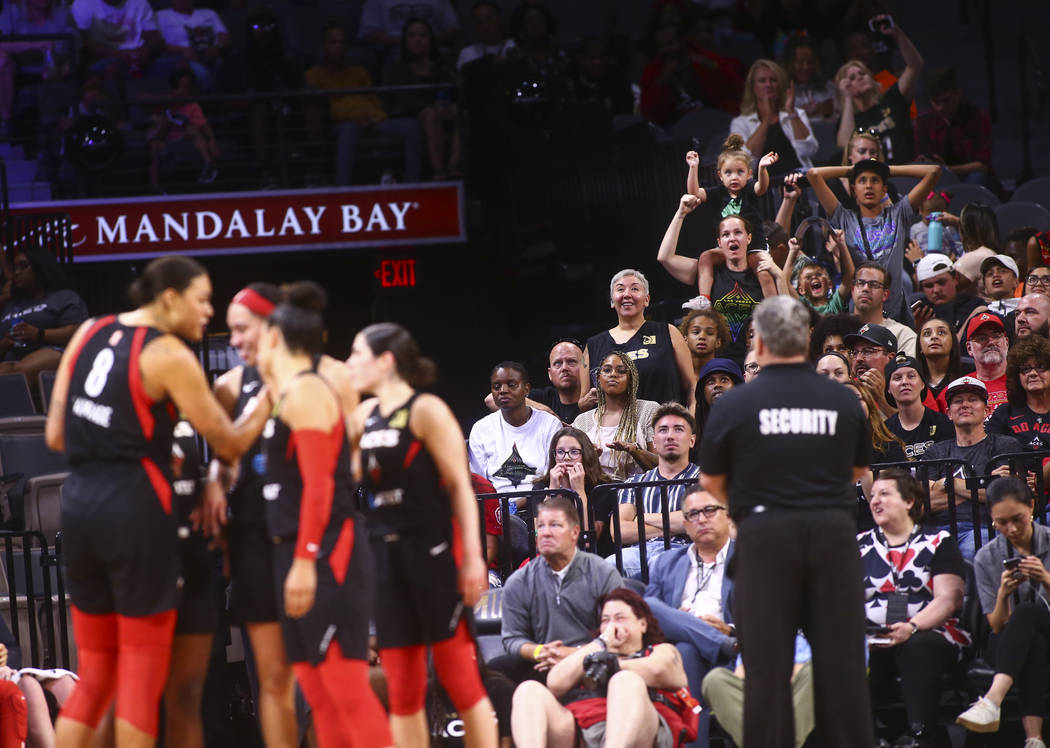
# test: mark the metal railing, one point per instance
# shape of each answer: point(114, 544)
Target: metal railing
point(27, 551)
point(665, 513)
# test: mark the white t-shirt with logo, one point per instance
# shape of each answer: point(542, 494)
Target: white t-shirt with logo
point(511, 457)
point(116, 27)
point(200, 29)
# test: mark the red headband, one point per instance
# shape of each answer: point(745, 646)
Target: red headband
point(945, 195)
point(255, 302)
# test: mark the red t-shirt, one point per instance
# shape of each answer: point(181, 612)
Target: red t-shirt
point(996, 393)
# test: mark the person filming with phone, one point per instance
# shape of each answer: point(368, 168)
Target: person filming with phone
point(1013, 584)
point(913, 588)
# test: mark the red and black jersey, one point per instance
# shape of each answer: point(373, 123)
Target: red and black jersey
point(284, 484)
point(109, 416)
point(246, 501)
point(403, 484)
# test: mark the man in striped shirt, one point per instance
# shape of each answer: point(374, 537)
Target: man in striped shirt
point(674, 433)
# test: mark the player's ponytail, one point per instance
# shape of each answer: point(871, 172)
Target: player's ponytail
point(173, 271)
point(299, 316)
point(417, 370)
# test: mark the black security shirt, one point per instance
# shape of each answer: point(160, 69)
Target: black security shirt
point(934, 427)
point(787, 440)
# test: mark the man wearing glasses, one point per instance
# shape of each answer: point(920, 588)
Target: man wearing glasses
point(871, 348)
point(871, 288)
point(987, 343)
point(688, 592)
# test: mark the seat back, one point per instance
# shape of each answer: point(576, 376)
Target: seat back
point(47, 383)
point(43, 504)
point(1014, 215)
point(28, 455)
point(15, 399)
point(964, 193)
point(1034, 191)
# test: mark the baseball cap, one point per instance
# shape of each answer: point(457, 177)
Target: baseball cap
point(1005, 260)
point(965, 384)
point(876, 334)
point(723, 365)
point(931, 265)
point(869, 164)
point(984, 318)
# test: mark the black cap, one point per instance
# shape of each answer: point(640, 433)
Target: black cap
point(876, 334)
point(902, 362)
point(869, 164)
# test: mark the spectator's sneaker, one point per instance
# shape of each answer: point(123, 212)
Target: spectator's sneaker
point(1034, 743)
point(208, 173)
point(982, 716)
point(700, 303)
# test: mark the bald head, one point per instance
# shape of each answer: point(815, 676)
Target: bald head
point(564, 369)
point(1033, 316)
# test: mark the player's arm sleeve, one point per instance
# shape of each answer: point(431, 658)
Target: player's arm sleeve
point(317, 456)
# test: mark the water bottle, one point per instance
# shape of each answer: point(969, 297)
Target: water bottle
point(14, 323)
point(935, 235)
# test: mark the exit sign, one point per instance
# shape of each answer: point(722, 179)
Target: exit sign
point(396, 273)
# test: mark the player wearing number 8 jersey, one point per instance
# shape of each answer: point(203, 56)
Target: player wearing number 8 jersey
point(423, 519)
point(119, 384)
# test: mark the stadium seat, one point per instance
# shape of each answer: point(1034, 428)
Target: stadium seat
point(22, 425)
point(22, 457)
point(1034, 191)
point(904, 185)
point(963, 194)
point(46, 379)
point(706, 125)
point(43, 504)
point(947, 177)
point(825, 131)
point(15, 399)
point(1014, 214)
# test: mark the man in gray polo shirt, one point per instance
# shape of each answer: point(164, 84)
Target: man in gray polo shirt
point(550, 607)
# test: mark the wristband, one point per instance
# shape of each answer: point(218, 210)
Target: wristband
point(600, 641)
point(914, 628)
point(536, 652)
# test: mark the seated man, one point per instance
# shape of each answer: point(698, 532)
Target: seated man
point(1032, 316)
point(688, 592)
point(872, 347)
point(510, 447)
point(939, 282)
point(193, 37)
point(550, 606)
point(119, 36)
point(562, 398)
point(987, 343)
point(674, 434)
point(354, 116)
point(954, 132)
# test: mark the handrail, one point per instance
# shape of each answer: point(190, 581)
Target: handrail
point(15, 591)
point(640, 518)
point(533, 497)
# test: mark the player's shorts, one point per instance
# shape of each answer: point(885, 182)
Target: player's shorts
point(342, 609)
point(418, 600)
point(197, 613)
point(120, 546)
point(253, 598)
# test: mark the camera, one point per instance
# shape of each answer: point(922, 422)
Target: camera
point(880, 24)
point(598, 668)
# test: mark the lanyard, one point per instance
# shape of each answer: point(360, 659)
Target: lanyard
point(702, 580)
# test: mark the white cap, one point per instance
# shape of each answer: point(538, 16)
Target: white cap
point(1005, 260)
point(931, 265)
point(964, 384)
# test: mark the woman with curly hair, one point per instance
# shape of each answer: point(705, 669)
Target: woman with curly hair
point(1026, 414)
point(770, 121)
point(574, 465)
point(705, 332)
point(622, 425)
point(622, 684)
point(829, 334)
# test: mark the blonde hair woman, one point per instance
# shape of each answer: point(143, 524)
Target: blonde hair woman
point(770, 121)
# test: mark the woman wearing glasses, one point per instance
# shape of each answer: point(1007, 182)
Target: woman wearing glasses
point(1013, 584)
point(913, 585)
point(622, 424)
point(1026, 413)
point(574, 465)
point(1038, 281)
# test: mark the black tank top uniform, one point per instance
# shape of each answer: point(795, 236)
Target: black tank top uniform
point(653, 354)
point(345, 587)
point(197, 613)
point(410, 522)
point(252, 597)
point(117, 515)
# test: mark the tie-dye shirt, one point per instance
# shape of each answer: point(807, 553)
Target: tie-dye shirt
point(887, 237)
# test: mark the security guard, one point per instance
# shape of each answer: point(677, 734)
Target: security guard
point(786, 450)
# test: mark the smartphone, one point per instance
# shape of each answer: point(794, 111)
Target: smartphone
point(1011, 563)
point(594, 377)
